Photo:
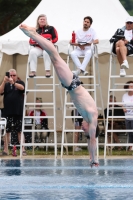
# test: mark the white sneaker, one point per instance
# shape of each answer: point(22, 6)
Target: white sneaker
point(77, 72)
point(77, 149)
point(132, 148)
point(85, 73)
point(122, 72)
point(125, 65)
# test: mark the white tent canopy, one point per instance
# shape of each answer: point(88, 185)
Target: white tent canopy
point(66, 16)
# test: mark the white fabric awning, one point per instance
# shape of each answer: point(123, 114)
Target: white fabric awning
point(66, 16)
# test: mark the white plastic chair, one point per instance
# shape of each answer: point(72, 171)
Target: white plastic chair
point(3, 123)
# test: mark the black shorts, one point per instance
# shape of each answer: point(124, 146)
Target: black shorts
point(97, 132)
point(74, 84)
point(14, 124)
point(129, 49)
point(78, 122)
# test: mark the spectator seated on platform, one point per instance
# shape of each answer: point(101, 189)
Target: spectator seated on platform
point(85, 37)
point(40, 123)
point(123, 44)
point(48, 32)
point(117, 111)
point(127, 99)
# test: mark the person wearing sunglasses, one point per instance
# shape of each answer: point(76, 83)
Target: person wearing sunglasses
point(123, 44)
point(13, 90)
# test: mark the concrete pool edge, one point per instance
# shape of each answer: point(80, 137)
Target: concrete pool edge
point(64, 157)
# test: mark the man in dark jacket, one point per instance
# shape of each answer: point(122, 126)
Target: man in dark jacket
point(123, 44)
point(13, 90)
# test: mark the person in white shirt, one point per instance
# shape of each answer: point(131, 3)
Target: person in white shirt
point(85, 37)
point(81, 98)
point(127, 99)
point(123, 44)
point(40, 123)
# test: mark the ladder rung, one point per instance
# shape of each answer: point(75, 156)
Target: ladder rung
point(40, 90)
point(70, 108)
point(121, 103)
point(86, 76)
point(79, 117)
point(74, 144)
point(121, 117)
point(127, 76)
point(42, 107)
point(90, 90)
point(119, 144)
point(2, 122)
point(117, 90)
point(34, 117)
point(38, 77)
point(38, 130)
point(73, 107)
point(38, 144)
point(48, 84)
point(100, 144)
point(99, 108)
point(120, 131)
point(120, 84)
point(72, 130)
point(70, 103)
point(31, 104)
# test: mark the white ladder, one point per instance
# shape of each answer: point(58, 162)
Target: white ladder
point(91, 88)
point(1, 57)
point(114, 87)
point(45, 105)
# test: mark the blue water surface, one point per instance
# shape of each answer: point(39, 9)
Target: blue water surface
point(66, 179)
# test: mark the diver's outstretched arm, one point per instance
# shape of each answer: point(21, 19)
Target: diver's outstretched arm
point(92, 150)
point(92, 141)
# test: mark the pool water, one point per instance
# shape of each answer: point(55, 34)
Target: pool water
point(66, 179)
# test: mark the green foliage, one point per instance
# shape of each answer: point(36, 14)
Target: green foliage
point(128, 5)
point(13, 12)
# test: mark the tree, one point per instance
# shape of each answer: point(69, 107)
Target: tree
point(13, 12)
point(128, 5)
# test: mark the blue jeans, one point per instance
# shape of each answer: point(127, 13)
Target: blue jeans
point(129, 125)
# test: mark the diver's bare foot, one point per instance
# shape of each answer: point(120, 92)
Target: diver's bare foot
point(29, 31)
point(94, 164)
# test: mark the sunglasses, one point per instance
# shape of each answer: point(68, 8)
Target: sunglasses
point(129, 22)
point(12, 75)
point(38, 99)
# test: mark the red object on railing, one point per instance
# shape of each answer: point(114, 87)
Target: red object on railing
point(73, 37)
